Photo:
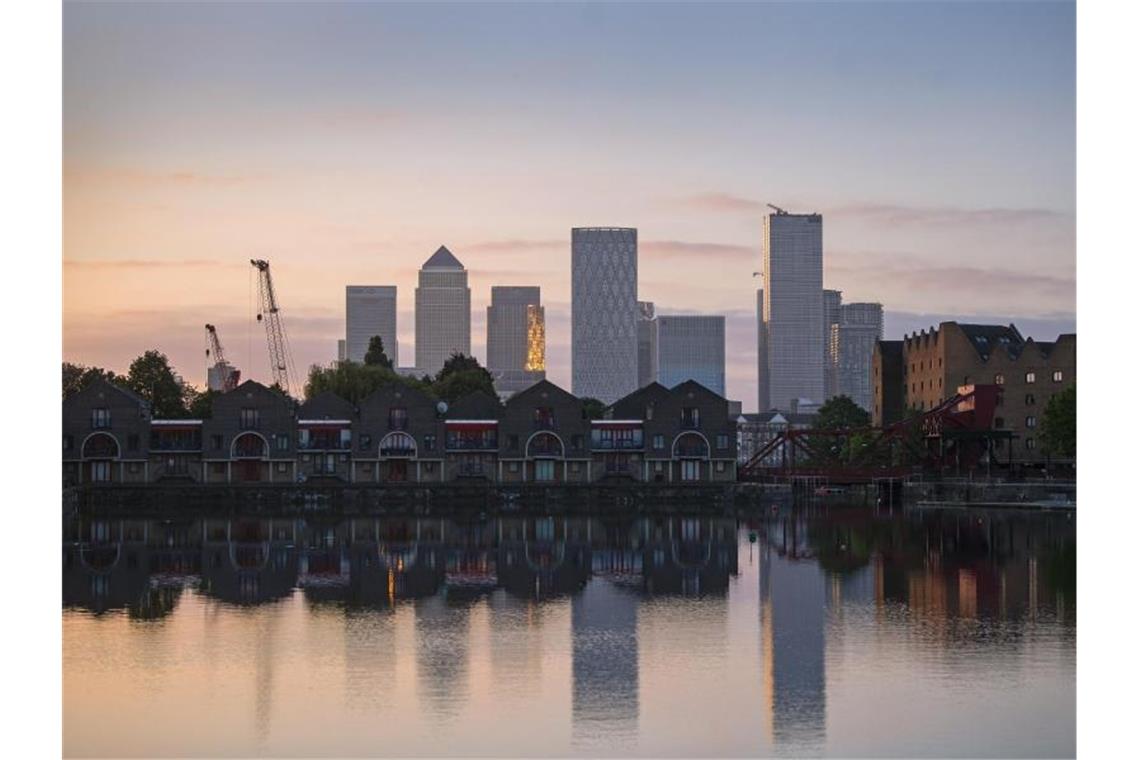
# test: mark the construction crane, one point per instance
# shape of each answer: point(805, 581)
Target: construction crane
point(280, 360)
point(221, 375)
point(779, 211)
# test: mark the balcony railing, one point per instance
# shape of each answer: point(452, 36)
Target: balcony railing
point(324, 444)
point(397, 451)
point(618, 444)
point(472, 444)
point(689, 450)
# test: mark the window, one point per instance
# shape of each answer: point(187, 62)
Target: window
point(720, 466)
point(658, 441)
point(101, 472)
point(1029, 399)
point(133, 442)
point(215, 442)
point(513, 442)
point(658, 466)
point(999, 422)
point(649, 412)
point(1058, 376)
point(365, 441)
point(690, 469)
point(134, 467)
point(250, 418)
point(68, 443)
point(1030, 377)
point(429, 443)
point(576, 442)
point(282, 467)
point(999, 379)
point(397, 418)
point(1031, 422)
point(100, 419)
point(690, 417)
point(575, 466)
point(513, 467)
point(346, 439)
point(1030, 444)
point(429, 466)
point(722, 441)
point(544, 470)
point(282, 441)
point(218, 468)
point(543, 418)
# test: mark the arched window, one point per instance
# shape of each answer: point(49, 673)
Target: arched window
point(544, 445)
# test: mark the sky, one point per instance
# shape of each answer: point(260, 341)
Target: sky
point(345, 143)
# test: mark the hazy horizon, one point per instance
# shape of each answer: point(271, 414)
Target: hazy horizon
point(346, 143)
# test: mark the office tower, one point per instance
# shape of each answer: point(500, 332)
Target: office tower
point(342, 350)
point(370, 310)
point(691, 348)
point(603, 322)
point(832, 304)
point(646, 343)
point(516, 338)
point(443, 311)
point(851, 348)
point(762, 401)
point(793, 307)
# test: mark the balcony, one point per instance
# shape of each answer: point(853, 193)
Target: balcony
point(612, 444)
point(398, 451)
point(473, 444)
point(691, 451)
point(324, 443)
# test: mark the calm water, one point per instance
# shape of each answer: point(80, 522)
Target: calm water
point(840, 632)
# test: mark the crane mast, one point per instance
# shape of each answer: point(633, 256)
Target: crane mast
point(222, 375)
point(280, 360)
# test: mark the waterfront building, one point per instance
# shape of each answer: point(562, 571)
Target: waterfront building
point(175, 451)
point(544, 437)
point(935, 363)
point(604, 357)
point(646, 343)
point(793, 307)
point(324, 438)
point(471, 437)
point(443, 311)
point(250, 437)
point(400, 437)
point(691, 348)
point(370, 310)
point(754, 431)
point(516, 338)
point(106, 429)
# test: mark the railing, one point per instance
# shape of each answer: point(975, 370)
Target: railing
point(618, 444)
point(472, 444)
point(397, 451)
point(250, 450)
point(545, 449)
point(691, 450)
point(324, 444)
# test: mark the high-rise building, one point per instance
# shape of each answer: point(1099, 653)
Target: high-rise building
point(763, 403)
point(691, 348)
point(370, 310)
point(443, 311)
point(516, 338)
point(342, 350)
point(793, 307)
point(603, 322)
point(858, 331)
point(832, 305)
point(646, 343)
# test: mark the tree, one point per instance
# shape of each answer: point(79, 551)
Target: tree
point(76, 377)
point(354, 381)
point(459, 362)
point(462, 374)
point(152, 377)
point(375, 355)
point(841, 413)
point(201, 405)
point(593, 408)
point(1059, 423)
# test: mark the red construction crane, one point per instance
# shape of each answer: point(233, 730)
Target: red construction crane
point(221, 375)
point(280, 359)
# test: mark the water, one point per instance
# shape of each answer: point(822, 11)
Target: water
point(842, 632)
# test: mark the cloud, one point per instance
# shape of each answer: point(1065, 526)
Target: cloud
point(962, 279)
point(724, 203)
point(514, 246)
point(899, 215)
point(147, 263)
point(682, 249)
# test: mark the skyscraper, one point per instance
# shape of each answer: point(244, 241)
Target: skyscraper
point(793, 307)
point(691, 348)
point(370, 310)
point(516, 338)
point(853, 349)
point(763, 403)
point(443, 311)
point(832, 304)
point(646, 343)
point(603, 321)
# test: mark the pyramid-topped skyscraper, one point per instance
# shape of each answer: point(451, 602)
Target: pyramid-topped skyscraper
point(443, 311)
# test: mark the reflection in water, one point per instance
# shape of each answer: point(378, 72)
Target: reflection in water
point(568, 629)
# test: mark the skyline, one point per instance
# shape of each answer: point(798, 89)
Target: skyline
point(938, 143)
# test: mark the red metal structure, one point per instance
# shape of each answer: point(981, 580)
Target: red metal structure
point(957, 433)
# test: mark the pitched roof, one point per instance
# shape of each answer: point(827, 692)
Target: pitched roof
point(326, 405)
point(632, 405)
point(442, 259)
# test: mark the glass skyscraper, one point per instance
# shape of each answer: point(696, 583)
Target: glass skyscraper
point(691, 348)
point(516, 338)
point(603, 321)
point(370, 310)
point(443, 311)
point(793, 307)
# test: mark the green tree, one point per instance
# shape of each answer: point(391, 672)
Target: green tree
point(354, 381)
point(152, 377)
point(459, 362)
point(462, 374)
point(201, 405)
point(593, 408)
point(375, 355)
point(841, 413)
point(76, 377)
point(1059, 423)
